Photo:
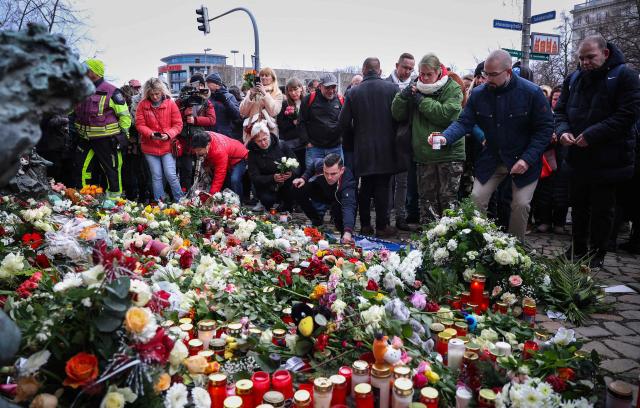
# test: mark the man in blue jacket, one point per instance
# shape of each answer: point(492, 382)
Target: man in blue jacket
point(518, 124)
point(597, 109)
point(329, 182)
point(224, 103)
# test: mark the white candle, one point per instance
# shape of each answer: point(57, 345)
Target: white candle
point(503, 348)
point(455, 353)
point(463, 396)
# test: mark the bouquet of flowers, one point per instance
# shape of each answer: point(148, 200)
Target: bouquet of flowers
point(249, 79)
point(291, 112)
point(286, 164)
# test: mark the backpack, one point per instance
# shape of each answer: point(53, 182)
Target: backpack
point(312, 97)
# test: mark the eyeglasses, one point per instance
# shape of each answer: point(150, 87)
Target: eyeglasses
point(486, 74)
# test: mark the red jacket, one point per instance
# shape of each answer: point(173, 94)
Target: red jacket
point(205, 117)
point(224, 153)
point(164, 119)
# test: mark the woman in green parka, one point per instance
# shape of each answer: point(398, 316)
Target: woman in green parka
point(432, 102)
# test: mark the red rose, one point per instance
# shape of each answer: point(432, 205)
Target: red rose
point(42, 261)
point(186, 259)
point(372, 285)
point(285, 279)
point(81, 370)
point(157, 349)
point(557, 383)
point(159, 301)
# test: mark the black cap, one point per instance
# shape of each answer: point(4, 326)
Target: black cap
point(215, 78)
point(478, 72)
point(197, 77)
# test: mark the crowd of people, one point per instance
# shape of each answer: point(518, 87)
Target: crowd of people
point(412, 145)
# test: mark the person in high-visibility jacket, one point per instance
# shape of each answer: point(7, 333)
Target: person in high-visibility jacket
point(102, 123)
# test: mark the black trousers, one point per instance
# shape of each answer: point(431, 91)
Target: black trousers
point(283, 196)
point(184, 167)
point(593, 212)
point(314, 191)
point(376, 186)
point(99, 156)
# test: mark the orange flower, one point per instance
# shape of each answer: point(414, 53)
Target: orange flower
point(162, 383)
point(136, 319)
point(566, 373)
point(318, 291)
point(81, 369)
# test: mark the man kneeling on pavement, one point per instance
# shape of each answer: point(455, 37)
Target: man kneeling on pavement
point(329, 182)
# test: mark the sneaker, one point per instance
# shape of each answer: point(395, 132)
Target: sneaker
point(258, 207)
point(386, 232)
point(543, 228)
point(366, 230)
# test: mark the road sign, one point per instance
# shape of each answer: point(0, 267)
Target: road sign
point(509, 25)
point(532, 55)
point(549, 15)
point(514, 53)
point(545, 43)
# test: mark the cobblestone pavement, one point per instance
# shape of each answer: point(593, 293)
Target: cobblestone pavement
point(615, 335)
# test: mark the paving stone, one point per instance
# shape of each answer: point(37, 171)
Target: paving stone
point(630, 299)
point(629, 269)
point(627, 306)
point(603, 350)
point(542, 318)
point(626, 350)
point(633, 339)
point(593, 331)
point(634, 326)
point(618, 329)
point(608, 317)
point(631, 314)
point(609, 299)
point(552, 327)
point(618, 365)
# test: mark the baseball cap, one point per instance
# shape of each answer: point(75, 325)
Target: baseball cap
point(328, 80)
point(134, 83)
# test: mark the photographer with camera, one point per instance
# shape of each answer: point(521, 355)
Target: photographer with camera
point(197, 113)
point(225, 104)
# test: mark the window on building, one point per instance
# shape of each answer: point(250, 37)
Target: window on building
point(586, 19)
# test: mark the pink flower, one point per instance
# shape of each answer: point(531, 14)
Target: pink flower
point(497, 290)
point(515, 280)
point(384, 255)
point(230, 288)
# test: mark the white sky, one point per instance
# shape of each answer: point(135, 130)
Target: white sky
point(132, 35)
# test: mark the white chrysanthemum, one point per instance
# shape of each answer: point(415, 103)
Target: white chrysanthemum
point(338, 307)
point(373, 316)
point(35, 214)
point(93, 276)
point(452, 245)
point(468, 274)
point(201, 398)
point(178, 353)
point(503, 257)
point(390, 281)
point(440, 255)
point(291, 340)
point(70, 280)
point(439, 230)
point(177, 396)
point(142, 291)
point(375, 272)
point(86, 302)
point(471, 255)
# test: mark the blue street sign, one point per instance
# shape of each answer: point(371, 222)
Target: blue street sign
point(509, 25)
point(549, 15)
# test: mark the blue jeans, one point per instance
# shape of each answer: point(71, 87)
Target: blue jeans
point(234, 177)
point(159, 166)
point(314, 153)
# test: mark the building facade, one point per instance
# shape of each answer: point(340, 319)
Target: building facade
point(591, 17)
point(179, 67)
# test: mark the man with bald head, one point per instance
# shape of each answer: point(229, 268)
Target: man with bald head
point(517, 123)
point(366, 115)
point(595, 114)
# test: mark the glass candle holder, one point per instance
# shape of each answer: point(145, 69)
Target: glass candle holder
point(217, 390)
point(442, 346)
point(278, 338)
point(346, 372)
point(339, 394)
point(261, 384)
point(206, 331)
point(283, 382)
point(363, 396)
point(244, 389)
point(322, 390)
point(359, 374)
point(476, 288)
point(194, 346)
point(529, 310)
point(484, 305)
point(461, 328)
point(530, 347)
point(455, 353)
point(501, 307)
point(429, 396)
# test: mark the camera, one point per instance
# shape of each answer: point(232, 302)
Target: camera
point(191, 96)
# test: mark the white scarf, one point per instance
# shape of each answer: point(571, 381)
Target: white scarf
point(401, 84)
point(430, 89)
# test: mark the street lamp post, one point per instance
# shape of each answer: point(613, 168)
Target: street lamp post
point(235, 77)
point(206, 64)
point(256, 38)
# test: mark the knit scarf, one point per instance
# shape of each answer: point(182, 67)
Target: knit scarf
point(397, 81)
point(430, 89)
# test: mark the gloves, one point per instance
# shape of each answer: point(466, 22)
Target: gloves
point(407, 92)
point(418, 97)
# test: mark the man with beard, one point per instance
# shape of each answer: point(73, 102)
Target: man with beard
point(517, 123)
point(595, 114)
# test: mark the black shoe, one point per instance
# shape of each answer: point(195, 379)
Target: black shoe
point(574, 255)
point(597, 260)
point(386, 232)
point(366, 230)
point(403, 226)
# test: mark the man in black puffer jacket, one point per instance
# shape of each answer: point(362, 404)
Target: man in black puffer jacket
point(594, 117)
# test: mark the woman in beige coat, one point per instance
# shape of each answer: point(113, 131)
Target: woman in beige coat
point(263, 101)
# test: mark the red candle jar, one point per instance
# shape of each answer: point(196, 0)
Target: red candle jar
point(530, 347)
point(345, 371)
point(278, 337)
point(208, 354)
point(464, 297)
point(244, 389)
point(339, 395)
point(195, 346)
point(187, 329)
point(529, 311)
point(363, 395)
point(486, 398)
point(501, 307)
point(217, 390)
point(261, 384)
point(476, 289)
point(443, 344)
point(286, 316)
point(282, 382)
point(461, 329)
point(429, 397)
point(484, 305)
point(456, 303)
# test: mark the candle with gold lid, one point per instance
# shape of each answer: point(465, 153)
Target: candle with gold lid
point(429, 396)
point(402, 393)
point(185, 320)
point(486, 398)
point(206, 331)
point(359, 374)
point(401, 372)
point(302, 398)
point(194, 346)
point(244, 389)
point(233, 402)
point(234, 329)
point(322, 390)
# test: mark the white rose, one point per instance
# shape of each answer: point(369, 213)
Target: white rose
point(452, 245)
point(178, 353)
point(503, 257)
point(564, 337)
point(92, 275)
point(338, 307)
point(11, 264)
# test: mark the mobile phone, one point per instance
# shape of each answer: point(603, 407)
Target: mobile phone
point(256, 80)
point(156, 135)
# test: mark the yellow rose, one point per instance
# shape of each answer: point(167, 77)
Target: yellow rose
point(196, 364)
point(379, 297)
point(112, 400)
point(162, 383)
point(136, 320)
point(432, 376)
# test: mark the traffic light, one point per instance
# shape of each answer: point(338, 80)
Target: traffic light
point(203, 19)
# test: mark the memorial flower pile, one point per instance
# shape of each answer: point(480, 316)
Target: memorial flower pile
point(123, 304)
